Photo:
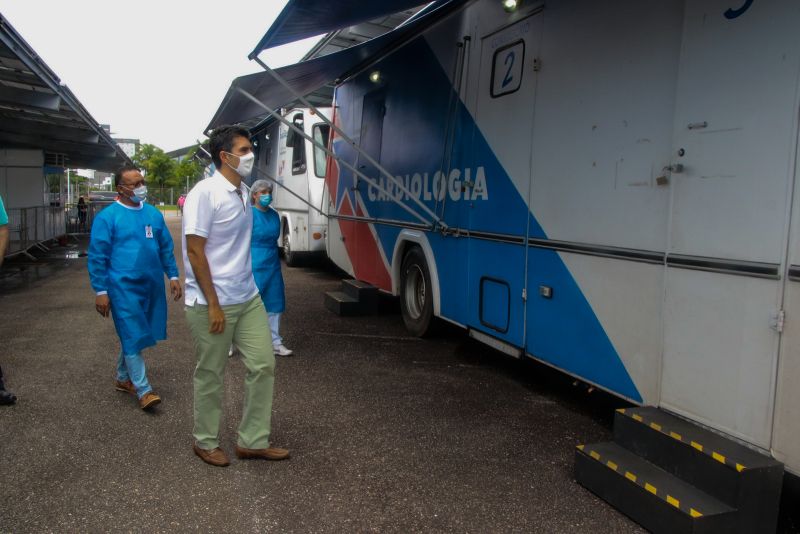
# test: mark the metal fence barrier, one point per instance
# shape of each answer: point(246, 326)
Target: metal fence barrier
point(75, 224)
point(33, 226)
point(30, 227)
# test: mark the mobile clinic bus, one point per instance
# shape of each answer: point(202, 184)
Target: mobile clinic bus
point(299, 171)
point(607, 188)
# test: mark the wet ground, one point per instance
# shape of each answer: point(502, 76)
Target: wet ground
point(388, 433)
point(23, 271)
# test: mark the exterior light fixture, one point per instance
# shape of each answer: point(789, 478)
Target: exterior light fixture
point(375, 76)
point(510, 5)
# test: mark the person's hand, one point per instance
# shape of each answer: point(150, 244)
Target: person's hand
point(103, 305)
point(216, 319)
point(176, 289)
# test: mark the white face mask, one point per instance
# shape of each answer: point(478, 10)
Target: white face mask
point(245, 164)
point(139, 194)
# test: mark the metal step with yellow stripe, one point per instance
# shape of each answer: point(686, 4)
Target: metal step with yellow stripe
point(738, 476)
point(715, 446)
point(656, 499)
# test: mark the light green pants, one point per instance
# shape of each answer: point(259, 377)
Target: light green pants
point(246, 326)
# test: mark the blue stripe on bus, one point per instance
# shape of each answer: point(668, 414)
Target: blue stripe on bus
point(563, 330)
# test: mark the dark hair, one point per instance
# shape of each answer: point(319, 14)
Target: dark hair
point(122, 170)
point(221, 140)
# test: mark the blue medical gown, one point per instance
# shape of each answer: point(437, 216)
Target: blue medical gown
point(129, 253)
point(266, 263)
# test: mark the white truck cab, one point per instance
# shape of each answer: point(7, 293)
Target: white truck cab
point(299, 167)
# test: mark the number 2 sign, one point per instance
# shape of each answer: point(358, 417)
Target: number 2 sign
point(507, 69)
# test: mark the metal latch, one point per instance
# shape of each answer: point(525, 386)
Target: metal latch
point(778, 320)
point(675, 168)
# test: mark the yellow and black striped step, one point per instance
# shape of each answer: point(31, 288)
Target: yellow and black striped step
point(656, 499)
point(715, 446)
point(736, 475)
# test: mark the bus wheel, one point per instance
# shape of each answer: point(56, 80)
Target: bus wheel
point(416, 295)
point(288, 255)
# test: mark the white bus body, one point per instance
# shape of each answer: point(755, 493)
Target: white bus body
point(617, 183)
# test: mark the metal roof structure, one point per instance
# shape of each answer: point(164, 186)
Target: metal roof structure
point(37, 111)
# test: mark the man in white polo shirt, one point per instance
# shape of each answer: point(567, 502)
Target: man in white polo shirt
point(223, 305)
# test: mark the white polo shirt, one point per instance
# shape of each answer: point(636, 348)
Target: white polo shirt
point(215, 211)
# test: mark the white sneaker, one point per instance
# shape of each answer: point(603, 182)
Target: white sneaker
point(280, 350)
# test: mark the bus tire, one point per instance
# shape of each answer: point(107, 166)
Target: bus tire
point(289, 256)
point(416, 295)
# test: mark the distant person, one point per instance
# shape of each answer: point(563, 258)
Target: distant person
point(223, 305)
point(82, 210)
point(6, 398)
point(266, 262)
point(181, 202)
point(129, 253)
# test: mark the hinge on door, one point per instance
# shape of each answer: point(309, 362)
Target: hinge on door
point(524, 294)
point(537, 64)
point(778, 320)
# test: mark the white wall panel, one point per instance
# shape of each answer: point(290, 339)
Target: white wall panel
point(627, 298)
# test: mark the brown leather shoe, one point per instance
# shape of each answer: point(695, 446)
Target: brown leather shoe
point(126, 386)
point(273, 453)
point(149, 400)
point(216, 457)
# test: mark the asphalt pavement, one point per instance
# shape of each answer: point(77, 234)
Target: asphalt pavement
point(388, 433)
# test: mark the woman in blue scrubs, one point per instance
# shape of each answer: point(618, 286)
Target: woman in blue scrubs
point(266, 262)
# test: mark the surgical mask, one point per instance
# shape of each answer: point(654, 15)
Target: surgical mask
point(139, 194)
point(245, 164)
point(265, 200)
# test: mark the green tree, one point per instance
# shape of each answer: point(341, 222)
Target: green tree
point(54, 182)
point(189, 171)
point(159, 169)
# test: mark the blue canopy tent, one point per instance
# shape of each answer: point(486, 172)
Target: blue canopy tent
point(249, 97)
point(309, 76)
point(305, 18)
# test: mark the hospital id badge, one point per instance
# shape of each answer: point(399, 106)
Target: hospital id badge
point(148, 232)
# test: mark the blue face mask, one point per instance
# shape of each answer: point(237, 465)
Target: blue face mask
point(265, 200)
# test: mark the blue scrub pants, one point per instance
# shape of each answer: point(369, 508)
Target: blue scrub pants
point(274, 325)
point(131, 367)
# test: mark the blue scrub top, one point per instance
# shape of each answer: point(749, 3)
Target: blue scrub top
point(129, 253)
point(3, 214)
point(266, 263)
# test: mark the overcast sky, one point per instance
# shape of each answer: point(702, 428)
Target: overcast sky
point(155, 70)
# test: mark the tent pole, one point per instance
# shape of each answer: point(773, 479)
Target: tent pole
point(344, 136)
point(358, 173)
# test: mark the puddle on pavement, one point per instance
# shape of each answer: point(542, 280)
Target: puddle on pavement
point(21, 272)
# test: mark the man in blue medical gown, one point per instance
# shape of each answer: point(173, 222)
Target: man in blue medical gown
point(129, 253)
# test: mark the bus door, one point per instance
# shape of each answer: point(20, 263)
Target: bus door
point(370, 262)
point(493, 187)
point(734, 136)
